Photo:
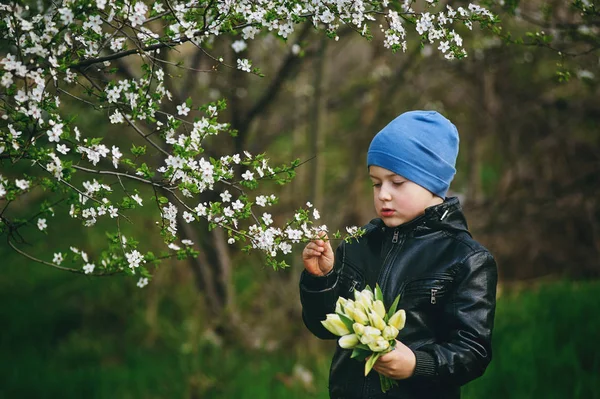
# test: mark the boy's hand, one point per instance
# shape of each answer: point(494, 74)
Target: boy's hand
point(397, 364)
point(318, 256)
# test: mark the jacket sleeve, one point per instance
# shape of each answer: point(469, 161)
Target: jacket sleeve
point(318, 295)
point(469, 316)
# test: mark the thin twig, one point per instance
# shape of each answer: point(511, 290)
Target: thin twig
point(139, 131)
point(67, 269)
point(108, 172)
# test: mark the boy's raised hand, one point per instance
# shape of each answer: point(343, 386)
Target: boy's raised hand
point(318, 256)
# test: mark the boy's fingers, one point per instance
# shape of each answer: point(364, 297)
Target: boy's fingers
point(310, 253)
point(327, 248)
point(312, 250)
point(314, 247)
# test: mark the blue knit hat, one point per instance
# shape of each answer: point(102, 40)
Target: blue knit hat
point(420, 146)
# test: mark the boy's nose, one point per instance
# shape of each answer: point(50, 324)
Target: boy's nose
point(384, 195)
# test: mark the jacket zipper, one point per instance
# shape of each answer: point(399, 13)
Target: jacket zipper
point(394, 241)
point(383, 274)
point(433, 292)
point(381, 279)
point(433, 299)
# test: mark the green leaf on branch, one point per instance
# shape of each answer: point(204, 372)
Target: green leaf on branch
point(138, 151)
point(145, 171)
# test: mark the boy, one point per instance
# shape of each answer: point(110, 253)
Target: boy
point(418, 248)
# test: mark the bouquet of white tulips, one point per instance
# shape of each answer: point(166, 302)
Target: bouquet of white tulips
point(365, 327)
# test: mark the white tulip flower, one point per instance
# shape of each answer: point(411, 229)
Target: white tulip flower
point(398, 319)
point(380, 344)
point(389, 333)
point(348, 341)
point(376, 321)
point(358, 328)
point(334, 324)
point(379, 308)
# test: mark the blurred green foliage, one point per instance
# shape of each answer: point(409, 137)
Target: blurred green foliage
point(544, 344)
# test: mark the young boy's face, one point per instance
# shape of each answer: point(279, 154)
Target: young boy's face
point(398, 200)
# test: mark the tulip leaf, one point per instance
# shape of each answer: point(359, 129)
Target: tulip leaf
point(360, 354)
point(348, 322)
point(386, 383)
point(370, 362)
point(393, 308)
point(363, 346)
point(378, 293)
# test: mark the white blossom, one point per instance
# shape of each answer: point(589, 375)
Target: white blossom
point(239, 45)
point(41, 224)
point(237, 205)
point(142, 282)
point(444, 46)
point(183, 109)
point(244, 65)
point(134, 258)
point(23, 184)
point(225, 196)
point(63, 149)
point(116, 117)
point(188, 217)
point(116, 154)
point(88, 268)
point(137, 199)
point(285, 247)
point(58, 258)
point(267, 219)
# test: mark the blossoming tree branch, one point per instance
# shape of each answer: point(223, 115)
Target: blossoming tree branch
point(63, 52)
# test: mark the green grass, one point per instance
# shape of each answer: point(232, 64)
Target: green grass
point(544, 344)
point(69, 336)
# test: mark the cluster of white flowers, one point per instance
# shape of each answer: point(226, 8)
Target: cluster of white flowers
point(55, 166)
point(134, 258)
point(272, 240)
point(53, 46)
point(170, 215)
point(94, 152)
point(365, 326)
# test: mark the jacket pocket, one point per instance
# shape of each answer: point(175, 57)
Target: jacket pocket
point(351, 279)
point(426, 291)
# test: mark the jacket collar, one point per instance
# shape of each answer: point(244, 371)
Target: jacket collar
point(445, 216)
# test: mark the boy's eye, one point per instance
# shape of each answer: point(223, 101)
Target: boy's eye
point(397, 183)
point(376, 184)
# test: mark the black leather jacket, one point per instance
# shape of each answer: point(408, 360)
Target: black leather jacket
point(447, 285)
